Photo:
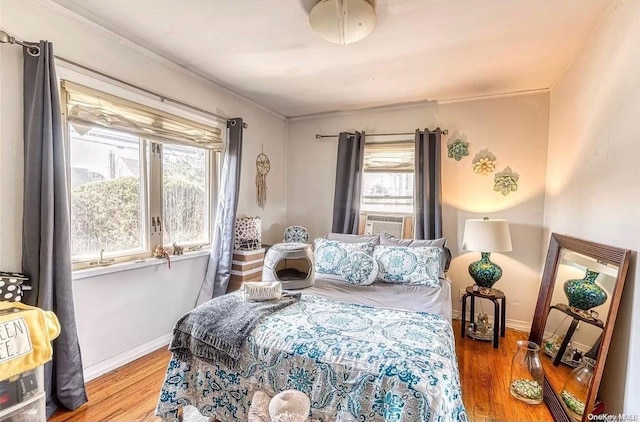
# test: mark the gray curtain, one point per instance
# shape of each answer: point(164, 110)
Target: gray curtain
point(46, 251)
point(428, 185)
point(219, 269)
point(346, 200)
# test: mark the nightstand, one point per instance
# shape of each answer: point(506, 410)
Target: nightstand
point(499, 316)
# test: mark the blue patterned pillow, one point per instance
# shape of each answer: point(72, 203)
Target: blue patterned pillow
point(409, 265)
point(331, 254)
point(359, 268)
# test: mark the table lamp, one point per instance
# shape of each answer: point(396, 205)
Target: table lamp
point(486, 236)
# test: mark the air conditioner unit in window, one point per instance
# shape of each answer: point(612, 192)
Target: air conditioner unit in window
point(392, 224)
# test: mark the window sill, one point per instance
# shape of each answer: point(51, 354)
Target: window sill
point(133, 265)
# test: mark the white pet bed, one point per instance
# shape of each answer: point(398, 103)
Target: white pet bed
point(292, 264)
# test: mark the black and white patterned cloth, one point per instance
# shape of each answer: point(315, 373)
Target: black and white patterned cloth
point(11, 286)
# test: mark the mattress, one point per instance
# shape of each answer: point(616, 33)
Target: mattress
point(385, 295)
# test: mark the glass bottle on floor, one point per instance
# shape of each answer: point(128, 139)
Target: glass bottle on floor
point(575, 390)
point(527, 376)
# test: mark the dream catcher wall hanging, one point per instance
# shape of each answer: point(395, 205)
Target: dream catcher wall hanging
point(263, 165)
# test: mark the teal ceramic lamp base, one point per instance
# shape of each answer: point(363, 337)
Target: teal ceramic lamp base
point(485, 273)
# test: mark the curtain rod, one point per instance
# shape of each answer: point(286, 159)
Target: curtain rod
point(35, 51)
point(318, 136)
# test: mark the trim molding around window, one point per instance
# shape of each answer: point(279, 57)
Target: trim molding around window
point(129, 193)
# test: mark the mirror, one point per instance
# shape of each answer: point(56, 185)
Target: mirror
point(573, 322)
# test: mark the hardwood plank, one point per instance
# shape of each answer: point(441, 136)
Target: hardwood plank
point(484, 378)
point(127, 394)
point(131, 392)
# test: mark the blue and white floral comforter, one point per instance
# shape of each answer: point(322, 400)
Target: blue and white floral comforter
point(356, 363)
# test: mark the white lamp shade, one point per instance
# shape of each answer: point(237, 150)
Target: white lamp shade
point(486, 236)
point(343, 21)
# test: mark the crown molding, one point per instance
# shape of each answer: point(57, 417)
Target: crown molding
point(416, 104)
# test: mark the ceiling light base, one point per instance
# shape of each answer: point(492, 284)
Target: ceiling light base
point(343, 21)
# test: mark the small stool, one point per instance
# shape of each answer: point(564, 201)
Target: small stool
point(499, 315)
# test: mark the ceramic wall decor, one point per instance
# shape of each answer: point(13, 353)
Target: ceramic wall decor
point(458, 149)
point(484, 163)
point(506, 181)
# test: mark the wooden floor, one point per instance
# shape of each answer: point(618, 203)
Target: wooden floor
point(484, 374)
point(126, 394)
point(131, 392)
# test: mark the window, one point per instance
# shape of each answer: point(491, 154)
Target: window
point(388, 174)
point(107, 201)
point(184, 201)
point(138, 177)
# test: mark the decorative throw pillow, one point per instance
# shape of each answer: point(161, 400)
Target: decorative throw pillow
point(11, 286)
point(405, 265)
point(359, 268)
point(296, 234)
point(331, 254)
point(355, 238)
point(387, 239)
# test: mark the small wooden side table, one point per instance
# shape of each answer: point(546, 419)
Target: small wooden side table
point(499, 315)
point(572, 328)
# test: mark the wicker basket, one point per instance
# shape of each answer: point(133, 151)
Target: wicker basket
point(248, 233)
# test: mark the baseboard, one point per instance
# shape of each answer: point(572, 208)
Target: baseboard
point(514, 324)
point(115, 362)
point(584, 348)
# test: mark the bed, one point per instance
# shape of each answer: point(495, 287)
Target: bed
point(361, 353)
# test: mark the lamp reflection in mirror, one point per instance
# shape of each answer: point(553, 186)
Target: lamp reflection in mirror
point(486, 236)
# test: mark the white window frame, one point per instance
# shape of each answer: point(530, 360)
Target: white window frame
point(149, 164)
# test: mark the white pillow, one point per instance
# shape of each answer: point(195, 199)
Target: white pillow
point(331, 254)
point(409, 265)
point(359, 268)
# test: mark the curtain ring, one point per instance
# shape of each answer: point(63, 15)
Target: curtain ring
point(33, 51)
point(232, 122)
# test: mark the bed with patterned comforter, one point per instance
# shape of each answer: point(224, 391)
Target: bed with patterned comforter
point(355, 362)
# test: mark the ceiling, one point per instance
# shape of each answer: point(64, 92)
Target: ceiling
point(421, 50)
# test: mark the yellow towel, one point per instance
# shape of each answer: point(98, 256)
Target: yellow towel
point(26, 333)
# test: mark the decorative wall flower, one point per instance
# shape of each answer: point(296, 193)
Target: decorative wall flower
point(506, 181)
point(484, 163)
point(458, 149)
point(484, 166)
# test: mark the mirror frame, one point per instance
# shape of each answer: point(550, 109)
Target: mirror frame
point(602, 253)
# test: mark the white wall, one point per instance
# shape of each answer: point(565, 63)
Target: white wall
point(120, 311)
point(593, 174)
point(515, 129)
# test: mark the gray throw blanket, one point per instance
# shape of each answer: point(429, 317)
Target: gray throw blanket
point(216, 330)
